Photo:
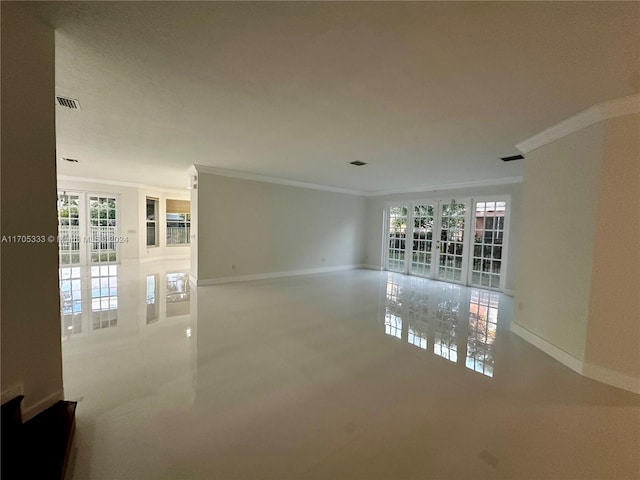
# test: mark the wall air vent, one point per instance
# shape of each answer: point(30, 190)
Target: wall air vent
point(512, 158)
point(68, 102)
point(357, 163)
point(72, 160)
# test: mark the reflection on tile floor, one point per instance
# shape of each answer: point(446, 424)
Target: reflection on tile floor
point(89, 297)
point(357, 374)
point(445, 319)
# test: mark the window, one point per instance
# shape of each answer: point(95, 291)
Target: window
point(69, 228)
point(459, 241)
point(397, 238)
point(178, 222)
point(103, 228)
point(489, 231)
point(152, 223)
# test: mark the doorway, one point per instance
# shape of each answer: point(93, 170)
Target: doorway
point(87, 228)
point(459, 241)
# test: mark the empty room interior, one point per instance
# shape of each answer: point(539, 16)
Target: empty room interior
point(332, 240)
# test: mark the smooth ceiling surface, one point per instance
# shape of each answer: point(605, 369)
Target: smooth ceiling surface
point(427, 93)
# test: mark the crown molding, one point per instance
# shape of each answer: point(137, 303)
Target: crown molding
point(449, 186)
point(278, 181)
point(598, 113)
point(69, 178)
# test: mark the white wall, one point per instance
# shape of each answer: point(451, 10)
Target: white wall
point(30, 318)
point(578, 293)
point(248, 227)
point(377, 205)
point(613, 332)
point(559, 217)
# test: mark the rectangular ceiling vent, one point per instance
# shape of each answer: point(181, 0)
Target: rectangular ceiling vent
point(512, 158)
point(358, 163)
point(68, 102)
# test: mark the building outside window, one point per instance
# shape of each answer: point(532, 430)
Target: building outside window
point(178, 222)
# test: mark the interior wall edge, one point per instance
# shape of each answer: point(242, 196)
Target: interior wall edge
point(31, 410)
point(611, 377)
point(550, 349)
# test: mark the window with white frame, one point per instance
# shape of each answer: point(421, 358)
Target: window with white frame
point(489, 228)
point(69, 243)
point(152, 222)
point(178, 222)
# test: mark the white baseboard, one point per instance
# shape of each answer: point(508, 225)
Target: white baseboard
point(12, 392)
point(595, 372)
point(31, 410)
point(563, 357)
point(266, 276)
point(377, 268)
point(611, 377)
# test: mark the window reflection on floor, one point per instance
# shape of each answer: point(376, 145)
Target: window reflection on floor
point(153, 305)
point(104, 296)
point(178, 294)
point(417, 338)
point(392, 318)
point(483, 323)
point(456, 323)
point(418, 310)
point(70, 301)
point(91, 301)
point(393, 325)
point(446, 322)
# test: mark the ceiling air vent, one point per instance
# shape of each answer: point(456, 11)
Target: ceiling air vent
point(358, 163)
point(512, 158)
point(72, 160)
point(68, 102)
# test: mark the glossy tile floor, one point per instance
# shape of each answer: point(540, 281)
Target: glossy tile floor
point(357, 374)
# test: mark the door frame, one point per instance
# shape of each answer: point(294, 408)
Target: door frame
point(387, 226)
point(505, 243)
point(89, 194)
point(83, 226)
point(465, 243)
point(84, 212)
point(468, 243)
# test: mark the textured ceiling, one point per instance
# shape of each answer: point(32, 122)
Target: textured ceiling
point(426, 93)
